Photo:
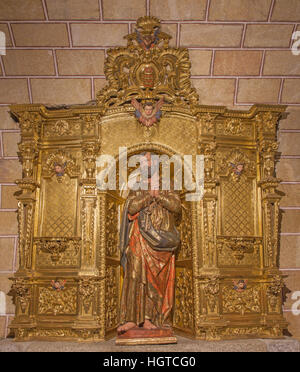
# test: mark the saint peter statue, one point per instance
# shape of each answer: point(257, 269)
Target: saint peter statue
point(148, 242)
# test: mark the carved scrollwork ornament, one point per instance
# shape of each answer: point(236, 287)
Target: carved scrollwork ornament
point(267, 122)
point(58, 302)
point(240, 246)
point(183, 316)
point(90, 123)
point(60, 163)
point(207, 123)
point(30, 123)
point(61, 128)
point(111, 298)
point(146, 70)
point(235, 163)
point(233, 127)
point(246, 301)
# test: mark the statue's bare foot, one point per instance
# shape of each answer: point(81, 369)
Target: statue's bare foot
point(148, 324)
point(125, 327)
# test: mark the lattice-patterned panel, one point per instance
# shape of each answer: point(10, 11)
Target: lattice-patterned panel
point(238, 209)
point(60, 207)
point(184, 306)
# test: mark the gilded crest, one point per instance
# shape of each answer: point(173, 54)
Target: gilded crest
point(147, 70)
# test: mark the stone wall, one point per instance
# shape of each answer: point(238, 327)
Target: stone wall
point(241, 55)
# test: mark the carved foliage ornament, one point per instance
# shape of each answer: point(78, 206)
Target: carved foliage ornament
point(30, 123)
point(87, 291)
point(111, 297)
point(145, 70)
point(211, 290)
point(207, 123)
point(267, 121)
point(245, 301)
point(274, 292)
point(234, 127)
point(239, 245)
point(20, 291)
point(57, 302)
point(56, 246)
point(184, 315)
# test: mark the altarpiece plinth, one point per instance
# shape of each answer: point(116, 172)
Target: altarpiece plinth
point(228, 284)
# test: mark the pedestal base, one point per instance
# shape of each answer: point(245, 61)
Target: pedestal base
point(141, 336)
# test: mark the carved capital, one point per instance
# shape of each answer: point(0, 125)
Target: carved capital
point(267, 122)
point(21, 293)
point(207, 123)
point(90, 151)
point(30, 123)
point(28, 152)
point(89, 124)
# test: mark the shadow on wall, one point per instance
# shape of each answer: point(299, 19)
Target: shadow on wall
point(2, 303)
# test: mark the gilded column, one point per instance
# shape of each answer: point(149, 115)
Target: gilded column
point(89, 281)
point(268, 146)
point(208, 317)
point(90, 149)
point(22, 288)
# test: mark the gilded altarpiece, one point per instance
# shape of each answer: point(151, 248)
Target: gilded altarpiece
point(68, 284)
